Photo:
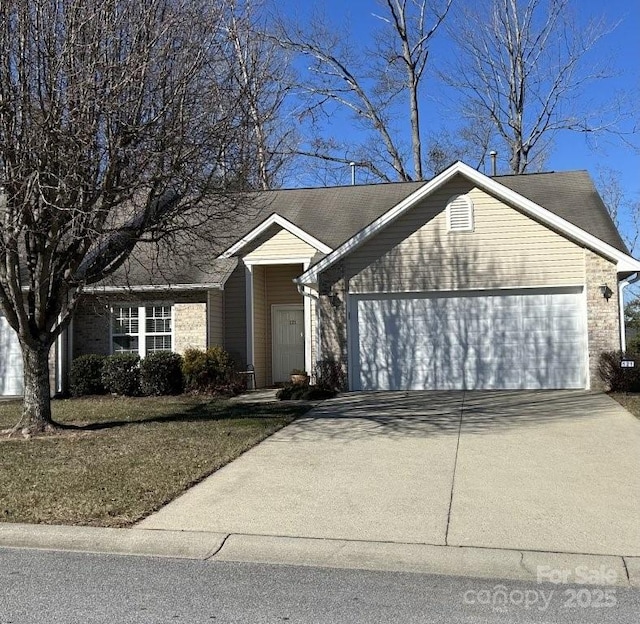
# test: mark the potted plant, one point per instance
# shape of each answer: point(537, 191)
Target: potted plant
point(299, 377)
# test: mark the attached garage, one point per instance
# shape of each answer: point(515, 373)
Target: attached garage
point(10, 361)
point(514, 339)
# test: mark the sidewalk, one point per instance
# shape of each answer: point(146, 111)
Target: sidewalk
point(482, 563)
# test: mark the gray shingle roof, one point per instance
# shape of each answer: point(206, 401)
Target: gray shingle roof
point(335, 214)
point(572, 196)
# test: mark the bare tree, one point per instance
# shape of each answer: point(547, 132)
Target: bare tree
point(623, 209)
point(523, 65)
point(118, 119)
point(370, 83)
point(263, 74)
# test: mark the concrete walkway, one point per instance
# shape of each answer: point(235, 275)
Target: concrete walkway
point(534, 471)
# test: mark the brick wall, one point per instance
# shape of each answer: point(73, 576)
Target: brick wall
point(603, 321)
point(333, 315)
point(190, 326)
point(91, 320)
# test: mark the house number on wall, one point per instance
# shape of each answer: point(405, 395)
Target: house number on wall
point(292, 322)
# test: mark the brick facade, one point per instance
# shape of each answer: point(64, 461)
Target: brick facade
point(333, 320)
point(603, 320)
point(190, 329)
point(91, 321)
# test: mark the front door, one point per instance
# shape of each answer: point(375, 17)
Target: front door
point(287, 329)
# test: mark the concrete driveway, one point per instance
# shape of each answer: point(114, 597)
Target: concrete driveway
point(549, 471)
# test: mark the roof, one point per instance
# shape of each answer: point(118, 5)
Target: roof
point(334, 215)
point(331, 214)
point(590, 208)
point(572, 196)
point(152, 269)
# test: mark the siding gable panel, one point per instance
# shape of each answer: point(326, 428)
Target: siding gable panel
point(277, 243)
point(507, 249)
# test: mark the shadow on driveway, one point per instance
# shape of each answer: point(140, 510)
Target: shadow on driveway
point(424, 414)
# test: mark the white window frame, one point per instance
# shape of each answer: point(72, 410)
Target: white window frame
point(470, 220)
point(142, 333)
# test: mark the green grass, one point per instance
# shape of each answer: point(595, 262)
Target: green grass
point(125, 457)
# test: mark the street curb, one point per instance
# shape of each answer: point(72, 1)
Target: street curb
point(487, 563)
point(175, 544)
point(468, 561)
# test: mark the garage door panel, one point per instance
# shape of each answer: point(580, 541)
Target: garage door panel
point(531, 340)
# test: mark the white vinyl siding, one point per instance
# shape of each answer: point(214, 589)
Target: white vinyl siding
point(506, 249)
point(215, 318)
point(502, 340)
point(280, 245)
point(141, 329)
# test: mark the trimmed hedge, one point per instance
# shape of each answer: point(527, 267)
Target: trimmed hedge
point(86, 375)
point(121, 374)
point(161, 374)
point(617, 378)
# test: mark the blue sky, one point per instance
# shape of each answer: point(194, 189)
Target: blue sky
point(620, 49)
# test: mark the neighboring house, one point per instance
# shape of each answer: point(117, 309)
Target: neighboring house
point(465, 281)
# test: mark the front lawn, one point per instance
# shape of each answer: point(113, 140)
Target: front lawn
point(130, 457)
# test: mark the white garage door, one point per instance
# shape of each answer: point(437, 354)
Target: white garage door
point(520, 340)
point(10, 361)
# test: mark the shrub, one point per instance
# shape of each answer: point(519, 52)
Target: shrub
point(299, 392)
point(617, 378)
point(211, 371)
point(330, 375)
point(633, 344)
point(121, 374)
point(161, 373)
point(86, 375)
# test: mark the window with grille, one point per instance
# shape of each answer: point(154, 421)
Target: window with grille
point(460, 214)
point(141, 329)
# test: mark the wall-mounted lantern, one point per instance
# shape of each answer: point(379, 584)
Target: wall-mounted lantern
point(335, 300)
point(607, 293)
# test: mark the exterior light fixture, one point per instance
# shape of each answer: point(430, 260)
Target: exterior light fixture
point(606, 291)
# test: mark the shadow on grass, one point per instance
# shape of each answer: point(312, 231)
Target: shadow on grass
point(206, 412)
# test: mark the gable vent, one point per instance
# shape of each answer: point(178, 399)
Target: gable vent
point(460, 214)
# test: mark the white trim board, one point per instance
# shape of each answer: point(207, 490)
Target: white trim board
point(268, 261)
point(624, 262)
point(285, 224)
point(153, 288)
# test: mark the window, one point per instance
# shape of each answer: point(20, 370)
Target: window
point(460, 214)
point(141, 329)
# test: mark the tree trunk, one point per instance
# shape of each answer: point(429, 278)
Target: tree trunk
point(36, 406)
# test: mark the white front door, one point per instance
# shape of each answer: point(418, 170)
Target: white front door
point(10, 361)
point(287, 345)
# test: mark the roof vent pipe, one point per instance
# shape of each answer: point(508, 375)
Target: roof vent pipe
point(353, 173)
point(493, 155)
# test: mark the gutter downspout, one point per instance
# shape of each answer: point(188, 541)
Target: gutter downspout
point(621, 286)
point(304, 293)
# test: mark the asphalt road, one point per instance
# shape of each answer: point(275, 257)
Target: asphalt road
point(40, 587)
